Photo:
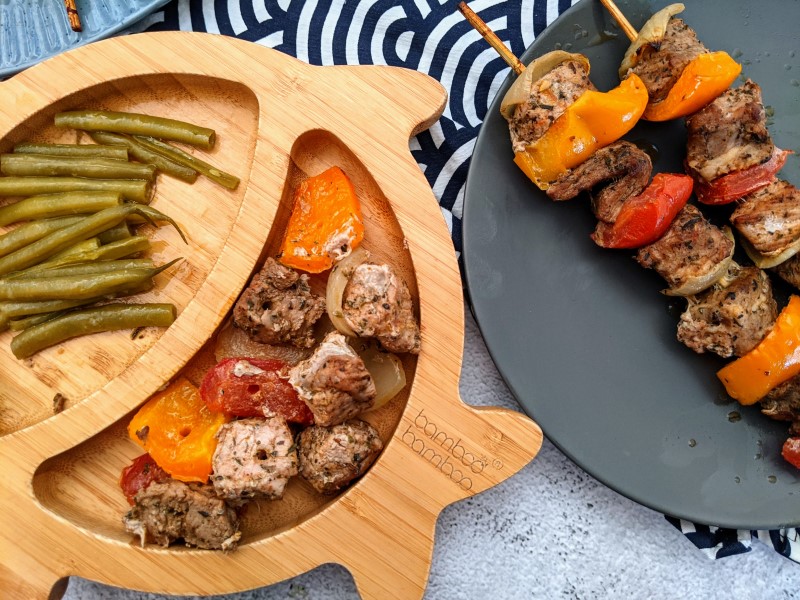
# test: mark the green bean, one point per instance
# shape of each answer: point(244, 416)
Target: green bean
point(115, 234)
point(91, 320)
point(25, 322)
point(30, 232)
point(135, 190)
point(87, 227)
point(138, 124)
point(97, 150)
point(11, 309)
point(103, 266)
point(179, 156)
point(140, 153)
point(43, 165)
point(77, 287)
point(57, 205)
point(72, 252)
point(112, 251)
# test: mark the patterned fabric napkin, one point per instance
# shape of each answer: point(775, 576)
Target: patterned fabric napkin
point(430, 36)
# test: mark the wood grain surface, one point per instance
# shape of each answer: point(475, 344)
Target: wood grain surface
point(278, 121)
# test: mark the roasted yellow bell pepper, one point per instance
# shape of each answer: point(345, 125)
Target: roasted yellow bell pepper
point(593, 121)
point(776, 359)
point(700, 82)
point(179, 431)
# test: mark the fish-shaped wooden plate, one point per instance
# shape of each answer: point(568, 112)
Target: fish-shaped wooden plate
point(278, 121)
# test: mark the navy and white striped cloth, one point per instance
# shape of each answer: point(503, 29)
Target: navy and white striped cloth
point(429, 36)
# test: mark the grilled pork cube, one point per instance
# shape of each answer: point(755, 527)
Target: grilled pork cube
point(377, 303)
point(170, 510)
point(782, 403)
point(332, 457)
point(789, 270)
point(279, 307)
point(730, 321)
point(333, 382)
point(728, 135)
point(691, 248)
point(660, 66)
point(769, 218)
point(550, 97)
point(622, 164)
point(254, 458)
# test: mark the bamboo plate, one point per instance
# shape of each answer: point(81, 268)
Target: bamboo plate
point(278, 120)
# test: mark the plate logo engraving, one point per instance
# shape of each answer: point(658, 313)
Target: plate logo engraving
point(446, 453)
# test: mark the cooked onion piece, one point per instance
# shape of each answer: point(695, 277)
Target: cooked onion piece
point(337, 282)
point(520, 90)
point(767, 261)
point(651, 32)
point(234, 342)
point(386, 370)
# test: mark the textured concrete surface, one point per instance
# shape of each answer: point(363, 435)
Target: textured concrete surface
point(551, 531)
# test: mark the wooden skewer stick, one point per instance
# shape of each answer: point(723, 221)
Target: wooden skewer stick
point(624, 24)
point(73, 16)
point(490, 36)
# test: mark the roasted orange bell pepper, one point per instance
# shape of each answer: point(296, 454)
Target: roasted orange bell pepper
point(700, 82)
point(178, 431)
point(325, 223)
point(593, 121)
point(776, 359)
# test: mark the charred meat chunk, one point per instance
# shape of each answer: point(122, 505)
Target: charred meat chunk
point(730, 321)
point(334, 382)
point(171, 510)
point(789, 270)
point(254, 458)
point(728, 135)
point(660, 65)
point(769, 218)
point(279, 307)
point(691, 248)
point(550, 97)
point(332, 457)
point(622, 164)
point(377, 303)
point(782, 403)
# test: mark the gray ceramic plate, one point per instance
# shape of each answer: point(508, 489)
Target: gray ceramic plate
point(33, 30)
point(582, 336)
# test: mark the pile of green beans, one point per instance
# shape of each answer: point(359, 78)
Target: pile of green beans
point(73, 248)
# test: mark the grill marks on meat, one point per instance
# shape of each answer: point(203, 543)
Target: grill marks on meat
point(278, 307)
point(171, 510)
point(659, 66)
point(332, 457)
point(254, 458)
point(770, 218)
point(377, 303)
point(691, 247)
point(728, 135)
point(334, 382)
point(550, 97)
point(623, 164)
point(730, 321)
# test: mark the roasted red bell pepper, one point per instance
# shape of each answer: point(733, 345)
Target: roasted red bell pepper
point(142, 471)
point(738, 184)
point(700, 82)
point(252, 387)
point(593, 121)
point(791, 451)
point(644, 218)
point(774, 360)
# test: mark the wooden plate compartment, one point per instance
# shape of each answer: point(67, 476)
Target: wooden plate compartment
point(278, 121)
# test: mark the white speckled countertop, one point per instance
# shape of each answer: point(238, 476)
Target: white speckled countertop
point(551, 531)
